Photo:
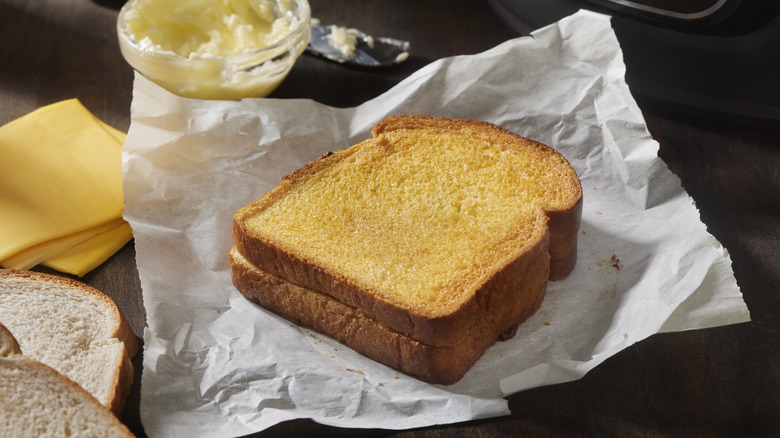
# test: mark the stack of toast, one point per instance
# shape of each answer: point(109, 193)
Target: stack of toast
point(420, 247)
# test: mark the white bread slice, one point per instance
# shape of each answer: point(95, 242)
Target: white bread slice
point(74, 329)
point(36, 401)
point(8, 344)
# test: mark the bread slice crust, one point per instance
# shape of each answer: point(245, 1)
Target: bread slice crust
point(38, 401)
point(499, 298)
point(350, 326)
point(121, 376)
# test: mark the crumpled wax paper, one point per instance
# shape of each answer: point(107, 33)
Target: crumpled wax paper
point(217, 365)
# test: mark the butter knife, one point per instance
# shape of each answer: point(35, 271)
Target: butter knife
point(351, 46)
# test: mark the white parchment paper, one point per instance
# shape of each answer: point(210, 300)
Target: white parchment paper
point(217, 365)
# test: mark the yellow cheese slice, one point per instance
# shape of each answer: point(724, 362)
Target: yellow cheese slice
point(60, 177)
point(86, 256)
point(117, 134)
point(35, 254)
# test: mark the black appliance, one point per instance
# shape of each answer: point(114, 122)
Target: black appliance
point(710, 58)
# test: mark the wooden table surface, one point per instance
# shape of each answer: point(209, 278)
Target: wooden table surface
point(715, 382)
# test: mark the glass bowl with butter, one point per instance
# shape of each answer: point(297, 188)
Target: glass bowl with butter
point(214, 49)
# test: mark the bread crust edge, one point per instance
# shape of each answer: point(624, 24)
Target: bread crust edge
point(123, 376)
point(443, 365)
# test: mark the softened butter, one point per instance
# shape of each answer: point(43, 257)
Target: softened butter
point(207, 28)
point(214, 49)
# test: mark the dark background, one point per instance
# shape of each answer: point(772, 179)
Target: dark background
point(716, 382)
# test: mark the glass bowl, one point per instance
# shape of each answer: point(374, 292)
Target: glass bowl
point(254, 73)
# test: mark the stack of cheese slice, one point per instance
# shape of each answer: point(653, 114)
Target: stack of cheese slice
point(61, 190)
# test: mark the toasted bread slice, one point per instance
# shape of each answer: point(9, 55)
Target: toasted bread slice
point(74, 329)
point(38, 401)
point(412, 224)
point(444, 231)
point(353, 327)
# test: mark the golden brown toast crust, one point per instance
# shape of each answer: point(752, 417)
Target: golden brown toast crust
point(434, 364)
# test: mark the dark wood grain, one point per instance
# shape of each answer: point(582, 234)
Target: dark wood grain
point(716, 382)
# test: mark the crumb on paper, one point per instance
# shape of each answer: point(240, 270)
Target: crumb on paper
point(610, 269)
point(614, 261)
